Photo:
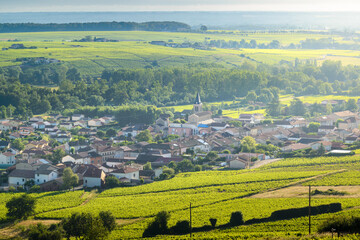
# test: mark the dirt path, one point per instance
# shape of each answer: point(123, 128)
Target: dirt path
point(258, 164)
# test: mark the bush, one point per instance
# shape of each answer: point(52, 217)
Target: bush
point(236, 219)
point(88, 226)
point(42, 232)
point(158, 226)
point(181, 227)
point(35, 189)
point(348, 224)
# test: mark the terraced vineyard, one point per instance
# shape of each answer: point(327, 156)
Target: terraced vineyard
point(216, 194)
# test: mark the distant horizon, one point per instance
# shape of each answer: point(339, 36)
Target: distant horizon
point(182, 11)
point(227, 19)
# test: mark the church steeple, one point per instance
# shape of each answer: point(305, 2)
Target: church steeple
point(197, 99)
point(197, 104)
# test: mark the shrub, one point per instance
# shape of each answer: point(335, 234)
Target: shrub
point(348, 224)
point(42, 232)
point(236, 219)
point(88, 226)
point(158, 226)
point(35, 189)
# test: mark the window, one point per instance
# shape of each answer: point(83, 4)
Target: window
point(38, 180)
point(44, 180)
point(23, 180)
point(134, 174)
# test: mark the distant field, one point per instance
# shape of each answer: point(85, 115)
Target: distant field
point(134, 50)
point(284, 38)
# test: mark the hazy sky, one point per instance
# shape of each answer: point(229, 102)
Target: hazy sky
point(177, 5)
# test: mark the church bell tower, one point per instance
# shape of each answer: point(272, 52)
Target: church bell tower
point(198, 104)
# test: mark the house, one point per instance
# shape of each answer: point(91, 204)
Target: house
point(127, 172)
point(36, 119)
point(132, 131)
point(283, 124)
point(316, 145)
point(295, 147)
point(7, 158)
point(66, 125)
point(326, 129)
point(198, 145)
point(18, 177)
point(200, 117)
point(32, 153)
point(95, 123)
point(77, 117)
point(45, 173)
point(237, 164)
point(183, 130)
point(162, 123)
point(95, 158)
point(251, 118)
point(38, 125)
point(342, 115)
point(62, 137)
point(5, 126)
point(87, 131)
point(93, 177)
point(350, 123)
point(326, 120)
point(351, 139)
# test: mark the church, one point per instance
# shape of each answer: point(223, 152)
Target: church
point(199, 116)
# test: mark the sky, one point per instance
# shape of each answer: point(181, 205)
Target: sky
point(178, 5)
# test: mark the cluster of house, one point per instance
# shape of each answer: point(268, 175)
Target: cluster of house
point(93, 159)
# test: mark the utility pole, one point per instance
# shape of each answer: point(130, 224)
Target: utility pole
point(190, 223)
point(309, 209)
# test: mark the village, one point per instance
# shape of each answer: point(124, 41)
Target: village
point(36, 152)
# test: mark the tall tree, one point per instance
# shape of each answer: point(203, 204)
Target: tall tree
point(69, 178)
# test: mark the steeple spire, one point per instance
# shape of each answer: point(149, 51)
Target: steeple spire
point(197, 99)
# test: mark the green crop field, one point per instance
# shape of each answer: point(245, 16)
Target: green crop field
point(134, 50)
point(216, 194)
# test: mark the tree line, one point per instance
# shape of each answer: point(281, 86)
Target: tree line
point(167, 86)
point(169, 26)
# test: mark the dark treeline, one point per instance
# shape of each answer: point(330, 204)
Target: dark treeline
point(168, 86)
point(95, 26)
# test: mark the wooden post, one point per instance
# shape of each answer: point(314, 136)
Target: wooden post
point(309, 209)
point(190, 223)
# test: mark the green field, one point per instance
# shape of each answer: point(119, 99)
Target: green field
point(134, 50)
point(216, 194)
